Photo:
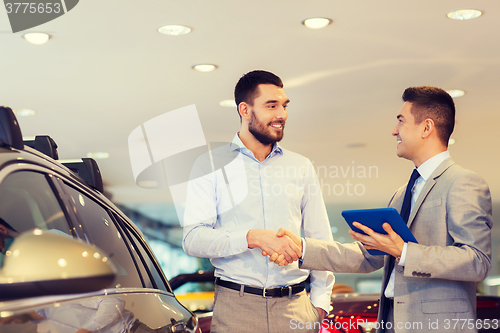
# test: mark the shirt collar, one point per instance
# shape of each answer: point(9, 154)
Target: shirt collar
point(237, 144)
point(427, 168)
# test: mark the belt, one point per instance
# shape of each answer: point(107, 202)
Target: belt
point(272, 292)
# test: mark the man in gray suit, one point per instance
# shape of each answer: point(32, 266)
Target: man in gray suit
point(429, 286)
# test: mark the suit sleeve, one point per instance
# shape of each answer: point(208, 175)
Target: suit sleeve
point(468, 221)
point(339, 258)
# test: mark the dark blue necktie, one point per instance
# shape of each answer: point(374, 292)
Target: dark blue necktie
point(405, 214)
point(406, 208)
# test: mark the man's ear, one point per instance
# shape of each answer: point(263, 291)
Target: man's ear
point(429, 127)
point(243, 109)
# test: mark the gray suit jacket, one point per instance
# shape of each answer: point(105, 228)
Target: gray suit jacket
point(451, 221)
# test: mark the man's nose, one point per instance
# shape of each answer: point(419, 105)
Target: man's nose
point(281, 113)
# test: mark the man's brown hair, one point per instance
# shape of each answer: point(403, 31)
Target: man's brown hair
point(432, 103)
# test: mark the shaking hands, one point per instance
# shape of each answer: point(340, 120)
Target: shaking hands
point(290, 241)
point(279, 244)
point(285, 247)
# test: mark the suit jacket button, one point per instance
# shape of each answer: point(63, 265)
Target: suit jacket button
point(414, 273)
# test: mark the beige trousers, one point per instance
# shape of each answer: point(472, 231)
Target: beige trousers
point(243, 312)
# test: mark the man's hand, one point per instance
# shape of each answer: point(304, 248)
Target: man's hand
point(21, 319)
point(391, 243)
point(269, 242)
point(278, 258)
point(322, 314)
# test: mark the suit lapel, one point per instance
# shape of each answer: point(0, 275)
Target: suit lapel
point(428, 186)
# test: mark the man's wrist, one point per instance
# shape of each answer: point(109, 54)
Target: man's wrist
point(402, 258)
point(322, 313)
point(252, 241)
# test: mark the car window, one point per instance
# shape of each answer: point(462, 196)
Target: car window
point(27, 201)
point(102, 231)
point(145, 274)
point(149, 269)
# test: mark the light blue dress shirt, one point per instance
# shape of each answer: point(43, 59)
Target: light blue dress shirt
point(227, 199)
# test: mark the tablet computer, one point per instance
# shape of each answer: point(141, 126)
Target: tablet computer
point(374, 218)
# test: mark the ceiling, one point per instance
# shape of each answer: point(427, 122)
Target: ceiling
point(106, 70)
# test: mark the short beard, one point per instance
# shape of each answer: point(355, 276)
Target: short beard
point(259, 132)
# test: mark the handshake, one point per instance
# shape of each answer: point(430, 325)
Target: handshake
point(283, 247)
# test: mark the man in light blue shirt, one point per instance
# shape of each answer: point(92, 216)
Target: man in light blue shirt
point(233, 213)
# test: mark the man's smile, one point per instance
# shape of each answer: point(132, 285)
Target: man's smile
point(277, 126)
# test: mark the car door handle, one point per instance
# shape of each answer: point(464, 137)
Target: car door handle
point(178, 328)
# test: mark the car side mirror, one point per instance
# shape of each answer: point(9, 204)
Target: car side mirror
point(49, 262)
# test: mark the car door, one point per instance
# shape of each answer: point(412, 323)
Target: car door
point(116, 312)
point(139, 280)
point(33, 197)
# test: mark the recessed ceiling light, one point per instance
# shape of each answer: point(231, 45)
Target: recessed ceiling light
point(99, 155)
point(464, 14)
point(204, 67)
point(455, 93)
point(316, 22)
point(37, 38)
point(228, 103)
point(451, 142)
point(174, 30)
point(24, 112)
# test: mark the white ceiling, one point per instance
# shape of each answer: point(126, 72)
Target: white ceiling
point(106, 71)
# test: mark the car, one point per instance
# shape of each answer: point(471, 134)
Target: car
point(350, 312)
point(200, 301)
point(71, 260)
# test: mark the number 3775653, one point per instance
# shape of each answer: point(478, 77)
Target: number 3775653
point(33, 8)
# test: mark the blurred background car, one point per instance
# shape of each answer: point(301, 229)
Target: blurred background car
point(71, 261)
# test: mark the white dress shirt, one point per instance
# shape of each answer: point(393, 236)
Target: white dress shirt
point(425, 170)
